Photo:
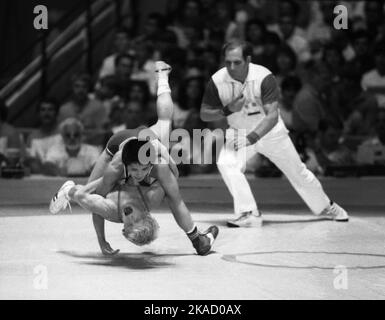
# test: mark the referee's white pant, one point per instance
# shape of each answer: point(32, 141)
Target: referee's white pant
point(279, 149)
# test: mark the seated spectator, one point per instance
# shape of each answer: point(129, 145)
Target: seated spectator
point(343, 40)
point(186, 116)
point(286, 63)
point(11, 149)
point(294, 38)
point(153, 28)
point(374, 15)
point(290, 87)
point(362, 61)
point(89, 111)
point(372, 150)
point(47, 135)
point(374, 80)
point(9, 137)
point(255, 31)
point(70, 156)
point(220, 20)
point(358, 107)
point(268, 58)
point(124, 65)
point(186, 111)
point(287, 8)
point(121, 46)
point(145, 66)
point(187, 16)
point(334, 60)
point(327, 149)
point(135, 111)
point(319, 31)
point(310, 103)
point(106, 93)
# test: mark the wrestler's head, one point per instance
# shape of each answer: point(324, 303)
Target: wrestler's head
point(136, 157)
point(139, 226)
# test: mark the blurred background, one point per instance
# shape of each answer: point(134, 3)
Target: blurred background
point(65, 90)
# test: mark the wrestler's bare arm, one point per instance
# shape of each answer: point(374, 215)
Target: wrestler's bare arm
point(170, 186)
point(111, 176)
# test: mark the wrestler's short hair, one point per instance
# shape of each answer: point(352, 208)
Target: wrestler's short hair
point(131, 152)
point(142, 232)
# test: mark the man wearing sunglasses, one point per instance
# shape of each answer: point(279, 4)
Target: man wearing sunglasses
point(124, 159)
point(70, 156)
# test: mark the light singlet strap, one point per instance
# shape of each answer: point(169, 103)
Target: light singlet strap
point(143, 199)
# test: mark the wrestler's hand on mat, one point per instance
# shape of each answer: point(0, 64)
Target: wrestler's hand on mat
point(106, 248)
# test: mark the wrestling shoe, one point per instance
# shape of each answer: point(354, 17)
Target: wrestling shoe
point(335, 212)
point(204, 241)
point(247, 219)
point(60, 200)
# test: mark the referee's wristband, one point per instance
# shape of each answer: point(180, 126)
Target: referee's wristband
point(253, 137)
point(226, 111)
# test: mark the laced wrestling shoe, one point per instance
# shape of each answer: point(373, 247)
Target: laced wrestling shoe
point(247, 219)
point(335, 212)
point(161, 66)
point(204, 241)
point(60, 200)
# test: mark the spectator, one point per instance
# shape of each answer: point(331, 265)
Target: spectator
point(124, 64)
point(319, 31)
point(154, 26)
point(374, 80)
point(11, 151)
point(290, 87)
point(186, 116)
point(293, 37)
point(310, 102)
point(186, 112)
point(358, 108)
point(334, 60)
point(47, 135)
point(374, 16)
point(134, 111)
point(9, 137)
point(145, 66)
point(187, 17)
point(328, 148)
point(106, 93)
point(268, 58)
point(221, 21)
point(70, 156)
point(89, 110)
point(255, 31)
point(362, 61)
point(121, 45)
point(372, 151)
point(342, 39)
point(286, 63)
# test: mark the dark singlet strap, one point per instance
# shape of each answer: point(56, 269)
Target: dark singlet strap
point(125, 175)
point(119, 189)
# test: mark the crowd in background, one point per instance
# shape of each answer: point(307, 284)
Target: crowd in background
point(332, 84)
